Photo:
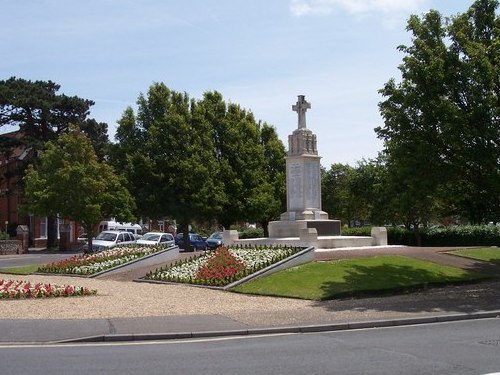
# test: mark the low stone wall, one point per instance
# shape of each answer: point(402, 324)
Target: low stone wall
point(309, 237)
point(10, 247)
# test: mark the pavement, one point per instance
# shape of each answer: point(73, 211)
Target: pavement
point(431, 305)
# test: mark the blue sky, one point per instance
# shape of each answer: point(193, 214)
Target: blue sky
point(260, 54)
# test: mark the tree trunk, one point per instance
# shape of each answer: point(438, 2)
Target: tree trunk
point(265, 227)
point(51, 232)
point(185, 237)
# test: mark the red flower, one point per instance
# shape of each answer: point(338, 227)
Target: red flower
point(220, 267)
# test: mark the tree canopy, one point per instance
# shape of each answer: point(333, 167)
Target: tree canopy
point(199, 159)
point(441, 122)
point(37, 110)
point(41, 114)
point(70, 182)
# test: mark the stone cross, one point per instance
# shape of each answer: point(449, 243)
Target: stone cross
point(301, 107)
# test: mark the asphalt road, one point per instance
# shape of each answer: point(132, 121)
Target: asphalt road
point(18, 260)
point(465, 347)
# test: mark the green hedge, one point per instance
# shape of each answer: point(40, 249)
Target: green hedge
point(464, 235)
point(251, 233)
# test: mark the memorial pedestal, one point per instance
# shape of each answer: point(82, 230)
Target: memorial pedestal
point(278, 229)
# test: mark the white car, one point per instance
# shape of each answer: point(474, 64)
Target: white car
point(109, 239)
point(156, 238)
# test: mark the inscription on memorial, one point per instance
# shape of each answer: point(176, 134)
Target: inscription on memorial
point(312, 178)
point(295, 192)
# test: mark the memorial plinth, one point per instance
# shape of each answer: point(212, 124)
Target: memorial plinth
point(303, 184)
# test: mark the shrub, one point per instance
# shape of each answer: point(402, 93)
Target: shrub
point(357, 231)
point(463, 235)
point(251, 233)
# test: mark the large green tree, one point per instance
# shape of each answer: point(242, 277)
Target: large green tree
point(166, 151)
point(335, 193)
point(272, 194)
point(251, 161)
point(70, 182)
point(41, 114)
point(441, 122)
point(38, 110)
point(202, 159)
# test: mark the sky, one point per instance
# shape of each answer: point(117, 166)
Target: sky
point(260, 54)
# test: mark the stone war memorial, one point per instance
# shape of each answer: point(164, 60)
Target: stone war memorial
point(305, 223)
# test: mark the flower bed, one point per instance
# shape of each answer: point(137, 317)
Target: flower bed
point(223, 265)
point(15, 289)
point(88, 264)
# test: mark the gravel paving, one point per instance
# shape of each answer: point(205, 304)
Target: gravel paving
point(119, 297)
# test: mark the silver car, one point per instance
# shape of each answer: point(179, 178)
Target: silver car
point(156, 238)
point(109, 239)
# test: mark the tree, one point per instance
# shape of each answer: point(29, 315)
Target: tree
point(130, 159)
point(200, 160)
point(335, 192)
point(167, 152)
point(251, 163)
point(238, 155)
point(97, 132)
point(475, 94)
point(41, 115)
point(70, 182)
point(36, 108)
point(272, 193)
point(441, 123)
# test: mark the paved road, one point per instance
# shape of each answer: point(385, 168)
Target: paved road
point(459, 348)
point(18, 260)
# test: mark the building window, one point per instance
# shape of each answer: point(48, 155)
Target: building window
point(43, 227)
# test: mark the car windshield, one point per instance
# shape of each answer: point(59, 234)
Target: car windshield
point(216, 236)
point(151, 237)
point(106, 236)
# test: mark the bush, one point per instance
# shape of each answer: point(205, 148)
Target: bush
point(357, 231)
point(464, 235)
point(251, 233)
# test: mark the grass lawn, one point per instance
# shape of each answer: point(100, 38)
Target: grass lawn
point(350, 277)
point(23, 270)
point(488, 254)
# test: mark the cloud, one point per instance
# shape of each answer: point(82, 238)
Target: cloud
point(300, 8)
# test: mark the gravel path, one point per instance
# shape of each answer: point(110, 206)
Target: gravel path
point(119, 297)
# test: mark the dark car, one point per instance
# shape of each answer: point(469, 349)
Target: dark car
point(215, 240)
point(195, 240)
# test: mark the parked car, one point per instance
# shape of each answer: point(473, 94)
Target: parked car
point(156, 238)
point(135, 229)
point(195, 240)
point(109, 239)
point(215, 240)
point(82, 238)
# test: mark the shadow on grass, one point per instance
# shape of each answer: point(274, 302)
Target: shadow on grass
point(409, 289)
point(387, 278)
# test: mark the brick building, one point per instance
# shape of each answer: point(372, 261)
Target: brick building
point(13, 159)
